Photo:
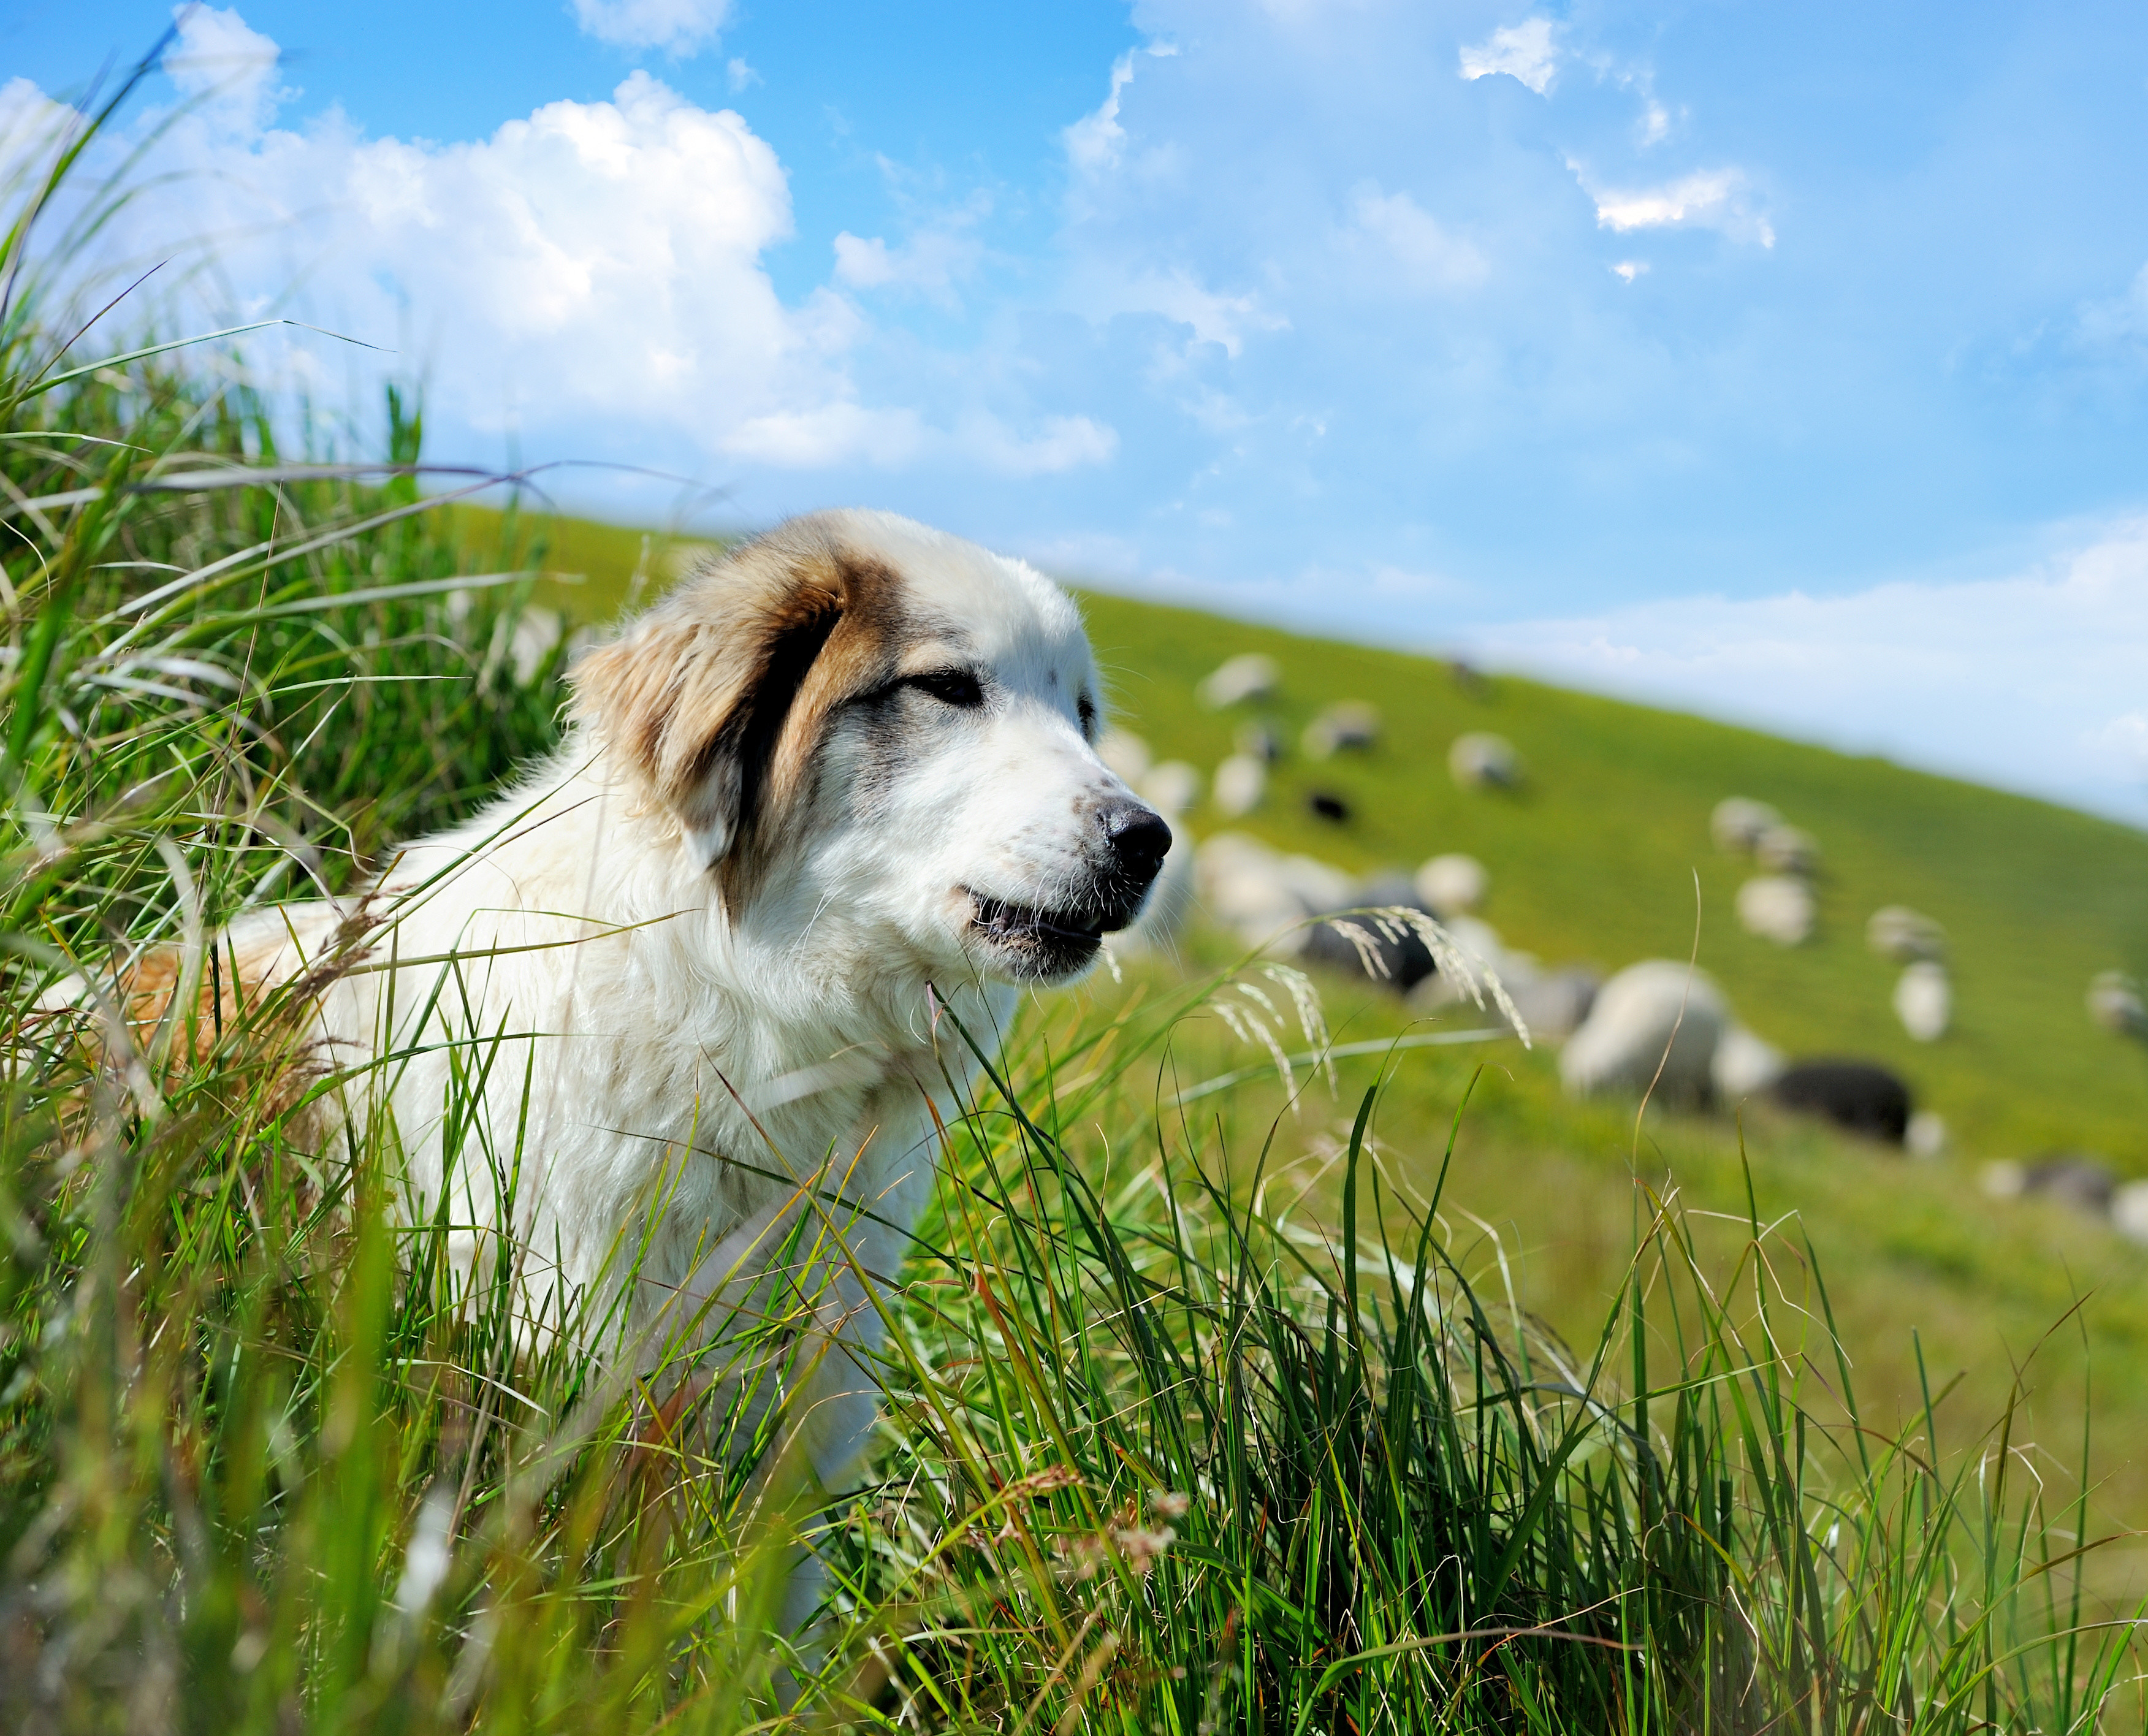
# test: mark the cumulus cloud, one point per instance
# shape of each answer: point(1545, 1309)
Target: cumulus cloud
point(591, 275)
point(1716, 199)
point(679, 26)
point(1527, 51)
point(226, 69)
point(940, 253)
point(1418, 252)
point(1095, 142)
point(2032, 680)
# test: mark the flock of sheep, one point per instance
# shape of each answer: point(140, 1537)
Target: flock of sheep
point(1659, 1027)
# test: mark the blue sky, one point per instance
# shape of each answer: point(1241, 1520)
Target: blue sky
point(1789, 364)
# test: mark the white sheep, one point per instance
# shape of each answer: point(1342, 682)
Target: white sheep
point(1340, 728)
point(1125, 754)
point(1264, 896)
point(2129, 1211)
point(1777, 907)
point(2114, 1002)
point(1787, 850)
point(1481, 760)
point(1924, 1000)
point(1248, 676)
point(1452, 884)
point(1170, 787)
point(1743, 1065)
point(1656, 1014)
point(1738, 822)
point(1897, 932)
point(1238, 787)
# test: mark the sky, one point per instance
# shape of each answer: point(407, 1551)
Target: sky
point(1788, 364)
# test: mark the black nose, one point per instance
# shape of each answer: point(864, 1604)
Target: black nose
point(1139, 840)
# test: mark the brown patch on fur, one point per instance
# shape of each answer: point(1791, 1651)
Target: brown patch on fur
point(718, 698)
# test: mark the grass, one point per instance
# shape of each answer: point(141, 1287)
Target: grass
point(1161, 1450)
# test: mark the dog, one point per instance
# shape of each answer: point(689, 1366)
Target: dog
point(831, 801)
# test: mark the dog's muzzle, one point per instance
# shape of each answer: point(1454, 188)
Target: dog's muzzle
point(1032, 941)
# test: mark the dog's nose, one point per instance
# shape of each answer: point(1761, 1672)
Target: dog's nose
point(1139, 840)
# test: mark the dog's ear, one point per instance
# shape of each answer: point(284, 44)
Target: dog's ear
point(715, 698)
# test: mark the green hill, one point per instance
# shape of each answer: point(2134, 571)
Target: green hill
point(1596, 859)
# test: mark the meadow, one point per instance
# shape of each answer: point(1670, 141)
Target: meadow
point(1411, 1397)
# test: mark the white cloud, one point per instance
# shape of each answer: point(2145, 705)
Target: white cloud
point(590, 279)
point(1630, 268)
point(226, 68)
point(1422, 254)
point(679, 26)
point(1094, 143)
point(738, 75)
point(931, 261)
point(2033, 681)
point(1179, 296)
point(1526, 50)
point(1718, 199)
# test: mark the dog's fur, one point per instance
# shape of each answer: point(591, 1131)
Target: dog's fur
point(837, 786)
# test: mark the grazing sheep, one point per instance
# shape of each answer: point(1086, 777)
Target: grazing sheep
point(1656, 1014)
point(2079, 1179)
point(1257, 742)
point(1481, 941)
point(1738, 823)
point(1350, 726)
point(1248, 676)
point(1743, 1065)
point(1326, 804)
point(1262, 894)
point(1786, 850)
point(1125, 754)
point(2129, 1211)
point(1401, 961)
point(1481, 760)
point(2114, 1002)
point(1170, 787)
point(1857, 1096)
point(1897, 932)
point(1452, 884)
point(1777, 907)
point(1927, 1134)
point(1239, 784)
point(1554, 1004)
point(1924, 1000)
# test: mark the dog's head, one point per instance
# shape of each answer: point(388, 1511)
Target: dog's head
point(858, 715)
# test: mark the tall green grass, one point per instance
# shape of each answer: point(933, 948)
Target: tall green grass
point(1176, 1437)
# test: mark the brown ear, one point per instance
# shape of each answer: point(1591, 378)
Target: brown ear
point(716, 697)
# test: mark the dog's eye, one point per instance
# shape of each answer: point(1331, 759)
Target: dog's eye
point(1084, 709)
point(951, 687)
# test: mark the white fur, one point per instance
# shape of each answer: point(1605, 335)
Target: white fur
point(746, 1066)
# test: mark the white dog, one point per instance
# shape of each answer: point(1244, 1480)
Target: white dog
point(836, 785)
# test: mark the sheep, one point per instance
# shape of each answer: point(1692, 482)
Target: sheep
point(1125, 754)
point(1170, 787)
point(1786, 850)
point(1328, 804)
point(1452, 884)
point(1743, 1065)
point(1658, 1014)
point(2129, 1211)
point(1924, 1000)
point(1481, 760)
point(1857, 1096)
point(2078, 1179)
point(1258, 741)
point(1403, 960)
point(1926, 1135)
point(1897, 932)
point(1248, 676)
point(1777, 907)
point(1738, 822)
point(1240, 783)
point(2114, 1002)
point(1262, 894)
point(1347, 727)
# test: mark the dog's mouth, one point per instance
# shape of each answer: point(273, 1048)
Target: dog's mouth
point(1030, 942)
